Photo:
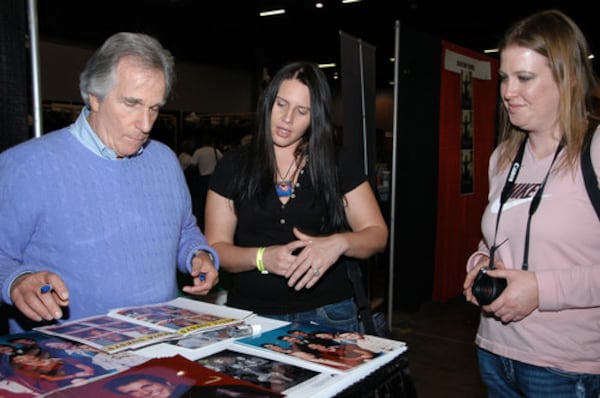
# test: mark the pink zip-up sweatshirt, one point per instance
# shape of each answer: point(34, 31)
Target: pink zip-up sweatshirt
point(564, 254)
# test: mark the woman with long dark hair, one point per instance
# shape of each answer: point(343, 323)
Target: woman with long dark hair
point(285, 211)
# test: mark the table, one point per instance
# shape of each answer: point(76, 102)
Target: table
point(386, 375)
point(390, 380)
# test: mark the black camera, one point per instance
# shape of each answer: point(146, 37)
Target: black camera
point(487, 289)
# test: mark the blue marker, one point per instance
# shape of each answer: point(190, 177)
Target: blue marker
point(46, 288)
point(202, 277)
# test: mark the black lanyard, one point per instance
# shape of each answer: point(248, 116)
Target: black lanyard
point(535, 202)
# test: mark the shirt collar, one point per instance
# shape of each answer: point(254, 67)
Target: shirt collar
point(82, 130)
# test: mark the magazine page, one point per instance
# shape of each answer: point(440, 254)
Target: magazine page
point(107, 333)
point(33, 363)
point(135, 327)
point(204, 343)
point(175, 377)
point(182, 315)
point(332, 348)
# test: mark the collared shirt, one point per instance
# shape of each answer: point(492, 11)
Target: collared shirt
point(84, 133)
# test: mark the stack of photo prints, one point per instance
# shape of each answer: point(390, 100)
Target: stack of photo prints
point(185, 348)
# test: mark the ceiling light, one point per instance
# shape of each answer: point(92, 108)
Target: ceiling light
point(350, 1)
point(323, 66)
point(319, 4)
point(269, 13)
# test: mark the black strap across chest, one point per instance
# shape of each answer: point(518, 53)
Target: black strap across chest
point(587, 168)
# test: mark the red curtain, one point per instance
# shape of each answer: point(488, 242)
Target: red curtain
point(461, 205)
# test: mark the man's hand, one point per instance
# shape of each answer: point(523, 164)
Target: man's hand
point(40, 295)
point(204, 274)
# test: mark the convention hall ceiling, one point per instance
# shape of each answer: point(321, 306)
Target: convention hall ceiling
point(232, 34)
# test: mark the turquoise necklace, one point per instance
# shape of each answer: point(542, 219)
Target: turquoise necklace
point(283, 186)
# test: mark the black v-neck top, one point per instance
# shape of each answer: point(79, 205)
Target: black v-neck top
point(272, 224)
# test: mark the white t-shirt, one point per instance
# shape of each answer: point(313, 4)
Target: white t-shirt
point(185, 160)
point(206, 158)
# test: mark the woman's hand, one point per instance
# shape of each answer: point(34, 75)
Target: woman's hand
point(278, 259)
point(519, 299)
point(317, 256)
point(470, 278)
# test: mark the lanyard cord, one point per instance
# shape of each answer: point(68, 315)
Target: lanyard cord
point(535, 202)
point(506, 191)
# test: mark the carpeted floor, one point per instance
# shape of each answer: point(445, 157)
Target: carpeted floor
point(441, 349)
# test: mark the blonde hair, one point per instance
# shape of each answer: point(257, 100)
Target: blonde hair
point(554, 35)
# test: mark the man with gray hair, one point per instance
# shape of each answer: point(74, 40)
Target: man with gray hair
point(97, 215)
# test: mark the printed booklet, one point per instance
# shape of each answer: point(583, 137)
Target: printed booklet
point(135, 327)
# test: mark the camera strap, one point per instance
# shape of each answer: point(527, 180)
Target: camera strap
point(535, 201)
point(506, 191)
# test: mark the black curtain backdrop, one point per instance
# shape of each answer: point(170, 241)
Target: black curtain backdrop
point(416, 174)
point(14, 70)
point(358, 101)
point(13, 86)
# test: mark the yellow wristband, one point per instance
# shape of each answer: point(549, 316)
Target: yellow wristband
point(259, 261)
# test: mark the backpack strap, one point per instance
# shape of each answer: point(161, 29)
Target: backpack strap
point(587, 168)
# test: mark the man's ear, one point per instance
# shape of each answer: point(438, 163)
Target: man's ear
point(94, 102)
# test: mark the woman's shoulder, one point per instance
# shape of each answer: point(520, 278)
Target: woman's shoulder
point(498, 151)
point(233, 156)
point(595, 145)
point(595, 150)
point(231, 161)
point(350, 171)
point(346, 158)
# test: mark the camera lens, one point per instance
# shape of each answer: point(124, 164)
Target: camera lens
point(487, 289)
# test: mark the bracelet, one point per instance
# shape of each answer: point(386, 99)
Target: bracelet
point(259, 261)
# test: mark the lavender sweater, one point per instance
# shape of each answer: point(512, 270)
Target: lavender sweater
point(114, 230)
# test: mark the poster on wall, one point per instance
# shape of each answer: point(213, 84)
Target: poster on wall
point(469, 69)
point(466, 132)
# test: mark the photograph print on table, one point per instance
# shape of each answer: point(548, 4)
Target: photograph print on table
point(33, 363)
point(174, 377)
point(324, 346)
point(275, 375)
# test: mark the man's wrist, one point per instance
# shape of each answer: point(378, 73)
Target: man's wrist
point(15, 280)
point(210, 255)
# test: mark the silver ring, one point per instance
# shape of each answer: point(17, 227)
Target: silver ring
point(316, 272)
